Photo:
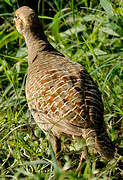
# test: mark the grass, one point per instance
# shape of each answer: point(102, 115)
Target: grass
point(88, 33)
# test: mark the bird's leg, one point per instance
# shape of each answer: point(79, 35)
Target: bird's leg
point(82, 160)
point(56, 144)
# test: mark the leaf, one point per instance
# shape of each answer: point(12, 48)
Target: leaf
point(55, 26)
point(9, 37)
point(45, 17)
point(107, 7)
point(73, 30)
point(22, 52)
point(108, 30)
point(8, 2)
point(91, 18)
point(116, 28)
point(98, 52)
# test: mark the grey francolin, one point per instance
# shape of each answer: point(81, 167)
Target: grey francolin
point(62, 96)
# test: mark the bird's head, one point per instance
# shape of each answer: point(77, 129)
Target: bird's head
point(26, 19)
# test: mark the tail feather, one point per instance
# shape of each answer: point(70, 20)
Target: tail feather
point(99, 141)
point(104, 145)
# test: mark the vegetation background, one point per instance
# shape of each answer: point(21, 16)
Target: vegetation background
point(89, 32)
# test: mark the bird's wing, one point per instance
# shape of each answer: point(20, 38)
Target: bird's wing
point(67, 98)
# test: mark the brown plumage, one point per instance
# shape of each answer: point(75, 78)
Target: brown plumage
point(62, 96)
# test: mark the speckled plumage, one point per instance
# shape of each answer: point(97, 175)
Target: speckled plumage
point(62, 96)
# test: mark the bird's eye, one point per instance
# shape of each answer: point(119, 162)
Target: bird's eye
point(15, 17)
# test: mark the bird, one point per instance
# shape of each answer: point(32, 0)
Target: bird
point(62, 97)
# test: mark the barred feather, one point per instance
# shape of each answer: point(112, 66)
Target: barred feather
point(62, 96)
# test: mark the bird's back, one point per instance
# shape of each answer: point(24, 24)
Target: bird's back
point(62, 95)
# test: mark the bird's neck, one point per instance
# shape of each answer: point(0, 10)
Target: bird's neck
point(35, 42)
